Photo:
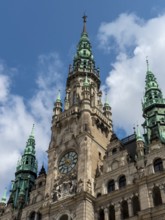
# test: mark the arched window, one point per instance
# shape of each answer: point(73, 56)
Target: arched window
point(98, 195)
point(122, 181)
point(157, 199)
point(135, 205)
point(158, 165)
point(64, 217)
point(124, 209)
point(111, 186)
point(101, 214)
point(32, 216)
point(39, 216)
point(114, 151)
point(111, 212)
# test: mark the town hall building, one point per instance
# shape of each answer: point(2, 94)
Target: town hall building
point(92, 174)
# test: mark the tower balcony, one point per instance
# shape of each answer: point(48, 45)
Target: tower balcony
point(153, 102)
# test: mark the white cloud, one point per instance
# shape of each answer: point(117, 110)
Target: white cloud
point(133, 39)
point(17, 117)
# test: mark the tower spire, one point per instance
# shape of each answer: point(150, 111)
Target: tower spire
point(26, 167)
point(153, 106)
point(84, 20)
point(32, 132)
point(59, 96)
point(147, 62)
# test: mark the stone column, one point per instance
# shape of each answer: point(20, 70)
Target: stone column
point(144, 197)
point(151, 202)
point(130, 208)
point(36, 216)
point(106, 214)
point(116, 185)
point(96, 215)
point(162, 190)
point(117, 211)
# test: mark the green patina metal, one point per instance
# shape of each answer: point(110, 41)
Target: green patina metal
point(59, 96)
point(138, 135)
point(83, 59)
point(153, 109)
point(4, 197)
point(25, 175)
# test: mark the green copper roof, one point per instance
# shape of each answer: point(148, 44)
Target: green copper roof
point(28, 160)
point(30, 145)
point(59, 96)
point(22, 190)
point(4, 197)
point(106, 100)
point(153, 94)
point(84, 59)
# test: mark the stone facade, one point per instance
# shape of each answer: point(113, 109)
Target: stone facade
point(92, 175)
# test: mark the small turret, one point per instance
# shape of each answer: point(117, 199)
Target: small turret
point(86, 90)
point(153, 110)
point(139, 144)
point(26, 173)
point(58, 105)
point(107, 108)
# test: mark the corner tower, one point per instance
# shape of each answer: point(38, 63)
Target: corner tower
point(80, 135)
point(153, 110)
point(25, 175)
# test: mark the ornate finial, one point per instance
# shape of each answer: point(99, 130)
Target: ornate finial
point(147, 63)
point(84, 20)
point(4, 197)
point(106, 96)
point(59, 96)
point(32, 132)
point(106, 99)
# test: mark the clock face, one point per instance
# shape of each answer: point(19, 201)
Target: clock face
point(68, 162)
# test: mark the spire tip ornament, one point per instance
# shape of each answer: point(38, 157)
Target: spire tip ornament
point(84, 20)
point(147, 62)
point(32, 132)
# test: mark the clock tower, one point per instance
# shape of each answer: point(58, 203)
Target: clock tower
point(81, 131)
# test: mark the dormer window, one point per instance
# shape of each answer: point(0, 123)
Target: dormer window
point(114, 151)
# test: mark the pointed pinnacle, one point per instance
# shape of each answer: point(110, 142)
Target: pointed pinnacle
point(32, 132)
point(147, 64)
point(4, 197)
point(138, 134)
point(59, 96)
point(84, 20)
point(106, 99)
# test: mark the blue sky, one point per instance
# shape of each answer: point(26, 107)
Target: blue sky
point(37, 43)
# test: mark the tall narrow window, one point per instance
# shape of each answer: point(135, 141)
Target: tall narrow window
point(158, 165)
point(124, 209)
point(157, 199)
point(122, 181)
point(112, 212)
point(101, 215)
point(111, 186)
point(135, 205)
point(39, 216)
point(32, 216)
point(64, 217)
